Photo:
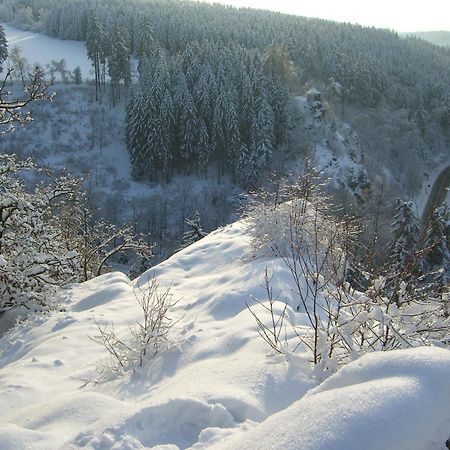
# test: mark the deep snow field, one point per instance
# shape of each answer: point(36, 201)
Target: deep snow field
point(39, 49)
point(218, 385)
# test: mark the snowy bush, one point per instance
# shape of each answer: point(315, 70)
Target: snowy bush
point(385, 313)
point(97, 241)
point(49, 237)
point(33, 257)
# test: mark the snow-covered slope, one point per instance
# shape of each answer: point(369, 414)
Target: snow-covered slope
point(333, 148)
point(216, 387)
point(40, 49)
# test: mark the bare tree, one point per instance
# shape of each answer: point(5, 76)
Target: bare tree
point(11, 109)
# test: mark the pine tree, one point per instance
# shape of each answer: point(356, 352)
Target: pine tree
point(436, 240)
point(95, 46)
point(3, 47)
point(119, 59)
point(247, 168)
point(406, 234)
point(77, 75)
point(262, 131)
point(145, 45)
point(195, 233)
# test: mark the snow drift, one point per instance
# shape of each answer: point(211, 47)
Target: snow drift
point(216, 387)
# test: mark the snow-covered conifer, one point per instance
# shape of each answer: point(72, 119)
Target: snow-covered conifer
point(262, 132)
point(145, 45)
point(119, 59)
point(195, 233)
point(406, 235)
point(3, 47)
point(436, 239)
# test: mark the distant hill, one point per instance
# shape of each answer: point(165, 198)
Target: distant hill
point(435, 37)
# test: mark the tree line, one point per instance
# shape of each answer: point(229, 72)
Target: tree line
point(371, 65)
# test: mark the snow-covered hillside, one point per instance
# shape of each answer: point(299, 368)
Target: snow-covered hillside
point(41, 50)
point(217, 386)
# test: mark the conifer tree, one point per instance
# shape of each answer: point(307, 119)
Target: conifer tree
point(136, 133)
point(406, 234)
point(262, 132)
point(145, 45)
point(77, 75)
point(95, 46)
point(436, 239)
point(189, 127)
point(195, 233)
point(278, 63)
point(3, 47)
point(204, 146)
point(247, 168)
point(119, 59)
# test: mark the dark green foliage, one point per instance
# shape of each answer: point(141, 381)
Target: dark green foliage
point(194, 116)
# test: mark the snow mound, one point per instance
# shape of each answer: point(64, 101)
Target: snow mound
point(216, 387)
point(392, 400)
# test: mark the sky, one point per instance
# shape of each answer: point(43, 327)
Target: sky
point(399, 15)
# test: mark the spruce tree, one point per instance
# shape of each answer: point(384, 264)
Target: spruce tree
point(195, 233)
point(204, 146)
point(262, 132)
point(3, 47)
point(145, 45)
point(119, 59)
point(189, 127)
point(247, 168)
point(436, 239)
point(406, 235)
point(95, 46)
point(77, 75)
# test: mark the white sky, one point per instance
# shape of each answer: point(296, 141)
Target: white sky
point(400, 15)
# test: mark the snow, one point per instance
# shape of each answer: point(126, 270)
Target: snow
point(335, 152)
point(217, 386)
point(39, 49)
point(424, 194)
point(392, 400)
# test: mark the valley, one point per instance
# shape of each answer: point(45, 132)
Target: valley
point(221, 228)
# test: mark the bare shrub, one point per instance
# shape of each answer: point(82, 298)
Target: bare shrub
point(146, 338)
point(271, 333)
point(385, 313)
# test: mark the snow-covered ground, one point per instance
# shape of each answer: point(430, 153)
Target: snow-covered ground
point(77, 134)
point(335, 151)
point(217, 386)
point(39, 49)
point(424, 194)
